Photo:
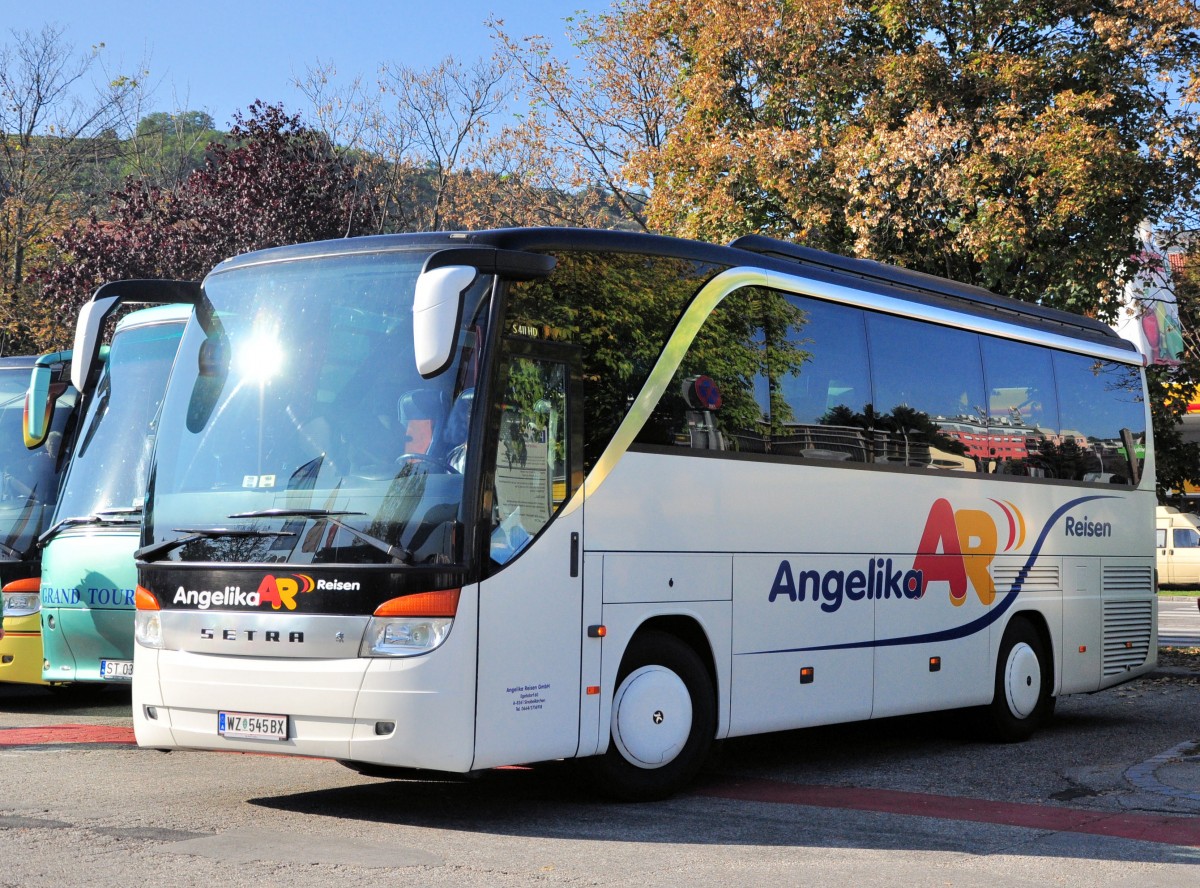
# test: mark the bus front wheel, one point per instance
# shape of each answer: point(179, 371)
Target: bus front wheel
point(1022, 699)
point(664, 719)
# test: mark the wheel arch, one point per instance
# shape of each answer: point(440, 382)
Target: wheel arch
point(688, 630)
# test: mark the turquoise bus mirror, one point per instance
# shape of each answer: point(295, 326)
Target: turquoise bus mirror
point(39, 408)
point(437, 312)
point(47, 383)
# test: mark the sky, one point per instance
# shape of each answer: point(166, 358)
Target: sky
point(220, 55)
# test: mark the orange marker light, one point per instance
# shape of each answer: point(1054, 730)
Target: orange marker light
point(1083, 649)
point(145, 600)
point(443, 603)
point(592, 690)
point(29, 584)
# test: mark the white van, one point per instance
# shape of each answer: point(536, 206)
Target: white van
point(1177, 538)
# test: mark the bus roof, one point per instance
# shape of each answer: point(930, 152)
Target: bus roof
point(155, 314)
point(750, 250)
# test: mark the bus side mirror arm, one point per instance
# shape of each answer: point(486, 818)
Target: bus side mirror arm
point(441, 291)
point(85, 369)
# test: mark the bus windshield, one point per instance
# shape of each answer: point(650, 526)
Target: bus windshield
point(30, 477)
point(111, 457)
point(297, 428)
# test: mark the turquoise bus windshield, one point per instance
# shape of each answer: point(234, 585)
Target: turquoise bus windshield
point(111, 459)
point(297, 428)
point(30, 477)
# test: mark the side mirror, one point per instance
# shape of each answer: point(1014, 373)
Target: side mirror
point(437, 315)
point(39, 408)
point(87, 338)
point(40, 398)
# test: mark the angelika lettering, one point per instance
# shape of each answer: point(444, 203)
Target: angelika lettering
point(879, 581)
point(230, 596)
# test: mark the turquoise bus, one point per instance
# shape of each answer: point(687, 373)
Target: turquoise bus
point(87, 569)
point(29, 483)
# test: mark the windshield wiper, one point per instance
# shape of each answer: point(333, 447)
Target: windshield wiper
point(12, 552)
point(191, 534)
point(396, 553)
point(103, 516)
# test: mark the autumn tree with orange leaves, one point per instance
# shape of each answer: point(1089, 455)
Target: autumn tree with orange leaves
point(1014, 144)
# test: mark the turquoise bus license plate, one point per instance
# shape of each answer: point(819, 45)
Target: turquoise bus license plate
point(252, 725)
point(116, 670)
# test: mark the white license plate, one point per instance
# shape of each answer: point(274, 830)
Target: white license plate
point(116, 670)
point(253, 725)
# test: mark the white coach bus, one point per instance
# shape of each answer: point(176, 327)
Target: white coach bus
point(454, 501)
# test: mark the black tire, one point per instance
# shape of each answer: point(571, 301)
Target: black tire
point(1022, 699)
point(664, 720)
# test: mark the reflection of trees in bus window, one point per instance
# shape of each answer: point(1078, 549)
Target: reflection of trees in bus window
point(748, 346)
point(620, 309)
point(530, 473)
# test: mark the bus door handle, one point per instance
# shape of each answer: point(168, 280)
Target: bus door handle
point(574, 553)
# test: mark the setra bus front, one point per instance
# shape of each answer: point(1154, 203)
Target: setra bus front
point(306, 561)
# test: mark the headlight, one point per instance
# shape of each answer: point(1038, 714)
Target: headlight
point(393, 637)
point(21, 604)
point(147, 628)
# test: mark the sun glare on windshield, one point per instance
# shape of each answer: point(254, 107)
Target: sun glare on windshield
point(261, 356)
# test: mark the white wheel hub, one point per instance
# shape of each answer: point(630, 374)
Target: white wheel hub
point(651, 716)
point(1022, 680)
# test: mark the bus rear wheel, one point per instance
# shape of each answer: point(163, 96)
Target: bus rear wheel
point(664, 719)
point(1022, 700)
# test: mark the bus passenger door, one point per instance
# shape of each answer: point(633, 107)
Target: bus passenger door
point(530, 604)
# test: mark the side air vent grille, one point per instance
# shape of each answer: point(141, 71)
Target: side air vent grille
point(1127, 630)
point(1041, 577)
point(1128, 580)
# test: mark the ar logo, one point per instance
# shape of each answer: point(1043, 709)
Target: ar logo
point(282, 591)
point(957, 547)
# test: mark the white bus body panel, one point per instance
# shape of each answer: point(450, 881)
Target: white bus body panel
point(869, 657)
point(332, 704)
point(531, 632)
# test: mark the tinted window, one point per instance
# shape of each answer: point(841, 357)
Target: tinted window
point(620, 309)
point(1022, 408)
point(928, 391)
point(1097, 400)
point(790, 374)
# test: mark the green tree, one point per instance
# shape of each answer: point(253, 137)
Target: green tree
point(166, 148)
